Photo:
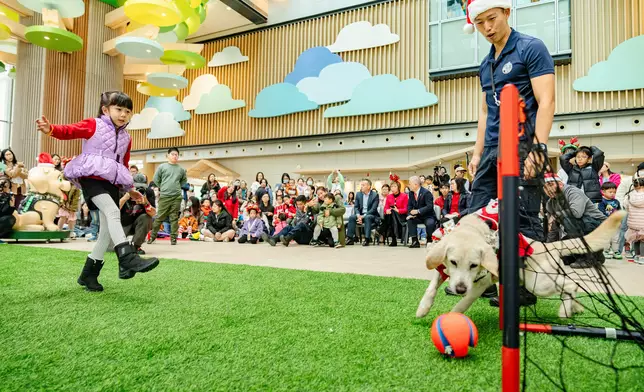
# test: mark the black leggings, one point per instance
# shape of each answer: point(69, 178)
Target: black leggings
point(244, 239)
point(637, 248)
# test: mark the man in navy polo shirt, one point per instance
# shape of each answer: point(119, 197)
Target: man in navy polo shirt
point(525, 62)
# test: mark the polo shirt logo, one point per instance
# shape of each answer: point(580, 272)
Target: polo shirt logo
point(507, 68)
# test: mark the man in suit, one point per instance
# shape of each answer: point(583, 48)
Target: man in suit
point(365, 213)
point(421, 210)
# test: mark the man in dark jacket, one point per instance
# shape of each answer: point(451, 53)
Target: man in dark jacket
point(421, 210)
point(136, 216)
point(584, 174)
point(365, 212)
point(7, 207)
point(301, 227)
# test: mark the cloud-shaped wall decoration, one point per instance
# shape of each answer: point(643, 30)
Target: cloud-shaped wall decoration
point(622, 70)
point(164, 126)
point(169, 105)
point(310, 63)
point(219, 99)
point(229, 55)
point(202, 85)
point(143, 120)
point(382, 94)
point(279, 100)
point(362, 35)
point(336, 83)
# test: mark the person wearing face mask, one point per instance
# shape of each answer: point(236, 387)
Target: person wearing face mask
point(310, 181)
point(301, 186)
point(282, 184)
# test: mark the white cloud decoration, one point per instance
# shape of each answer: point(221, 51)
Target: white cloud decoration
point(363, 35)
point(335, 83)
point(229, 55)
point(202, 85)
point(164, 126)
point(143, 120)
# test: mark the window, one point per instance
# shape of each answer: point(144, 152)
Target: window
point(452, 49)
point(6, 107)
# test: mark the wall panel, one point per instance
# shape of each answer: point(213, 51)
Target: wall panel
point(598, 26)
point(64, 90)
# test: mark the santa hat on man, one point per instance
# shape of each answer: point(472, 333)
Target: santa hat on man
point(477, 7)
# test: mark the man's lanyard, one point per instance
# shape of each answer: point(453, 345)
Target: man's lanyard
point(496, 97)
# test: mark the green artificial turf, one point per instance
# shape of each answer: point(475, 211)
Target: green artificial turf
point(203, 326)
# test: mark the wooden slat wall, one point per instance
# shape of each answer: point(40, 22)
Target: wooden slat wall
point(273, 53)
point(598, 26)
point(102, 73)
point(25, 140)
point(64, 91)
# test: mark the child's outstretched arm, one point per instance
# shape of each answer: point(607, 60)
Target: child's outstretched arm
point(81, 130)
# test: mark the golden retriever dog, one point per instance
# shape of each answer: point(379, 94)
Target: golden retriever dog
point(469, 259)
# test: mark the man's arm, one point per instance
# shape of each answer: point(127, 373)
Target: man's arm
point(123, 200)
point(429, 204)
point(577, 202)
point(544, 93)
point(480, 137)
point(564, 161)
point(598, 158)
point(157, 176)
point(373, 206)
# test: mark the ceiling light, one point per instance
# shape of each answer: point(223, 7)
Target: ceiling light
point(148, 50)
point(47, 38)
point(162, 94)
point(163, 14)
point(193, 64)
point(227, 8)
point(175, 85)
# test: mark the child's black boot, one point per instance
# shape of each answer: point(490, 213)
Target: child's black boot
point(89, 275)
point(130, 262)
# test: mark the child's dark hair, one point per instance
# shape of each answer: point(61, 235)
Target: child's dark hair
point(444, 185)
point(300, 198)
point(608, 185)
point(282, 216)
point(115, 98)
point(585, 150)
point(329, 196)
point(171, 149)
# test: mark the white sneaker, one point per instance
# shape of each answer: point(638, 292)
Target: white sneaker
point(639, 260)
point(207, 239)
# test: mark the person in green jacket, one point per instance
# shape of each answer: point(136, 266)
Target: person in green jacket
point(169, 177)
point(326, 221)
point(334, 183)
point(314, 206)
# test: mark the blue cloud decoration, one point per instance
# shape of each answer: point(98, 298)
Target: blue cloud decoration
point(310, 63)
point(279, 100)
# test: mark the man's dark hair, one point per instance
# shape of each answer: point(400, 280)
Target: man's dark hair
point(444, 185)
point(171, 149)
point(367, 180)
point(385, 185)
point(301, 198)
point(609, 185)
point(134, 167)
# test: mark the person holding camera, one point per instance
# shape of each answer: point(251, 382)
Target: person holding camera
point(16, 172)
point(136, 215)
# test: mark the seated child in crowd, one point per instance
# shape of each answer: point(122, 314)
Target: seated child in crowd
point(584, 173)
point(68, 209)
point(284, 205)
point(301, 186)
point(83, 222)
point(635, 205)
point(444, 192)
point(291, 188)
point(326, 221)
point(280, 222)
point(205, 207)
point(7, 207)
point(607, 206)
point(188, 224)
point(253, 227)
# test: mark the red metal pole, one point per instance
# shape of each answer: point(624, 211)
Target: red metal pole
point(509, 245)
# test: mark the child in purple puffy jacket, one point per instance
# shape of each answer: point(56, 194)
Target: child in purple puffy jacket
point(102, 171)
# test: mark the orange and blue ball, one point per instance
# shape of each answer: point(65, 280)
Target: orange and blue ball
point(453, 334)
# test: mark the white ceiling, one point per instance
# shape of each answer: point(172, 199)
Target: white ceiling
point(220, 20)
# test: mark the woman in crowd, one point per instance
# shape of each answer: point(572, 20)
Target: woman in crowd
point(606, 175)
point(282, 184)
point(58, 163)
point(210, 188)
point(351, 199)
point(83, 226)
point(264, 188)
point(457, 201)
point(258, 180)
point(242, 193)
point(395, 211)
point(17, 174)
point(228, 196)
point(219, 225)
point(267, 210)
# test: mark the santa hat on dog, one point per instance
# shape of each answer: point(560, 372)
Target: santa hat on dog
point(44, 160)
point(477, 7)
